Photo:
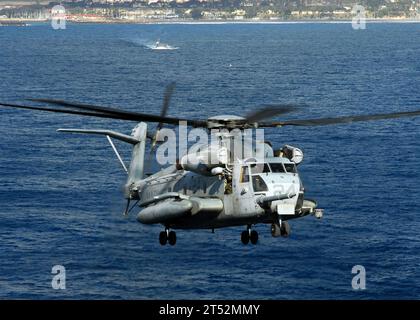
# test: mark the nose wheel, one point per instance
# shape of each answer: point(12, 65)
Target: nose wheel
point(249, 236)
point(167, 237)
point(281, 228)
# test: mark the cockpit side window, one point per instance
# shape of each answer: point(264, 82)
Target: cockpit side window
point(258, 184)
point(290, 167)
point(244, 174)
point(259, 168)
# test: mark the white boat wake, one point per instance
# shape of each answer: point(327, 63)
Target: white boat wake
point(149, 44)
point(160, 46)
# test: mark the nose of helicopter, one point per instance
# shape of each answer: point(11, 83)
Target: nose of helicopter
point(282, 192)
point(282, 183)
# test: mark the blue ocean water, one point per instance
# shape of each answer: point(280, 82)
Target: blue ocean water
point(61, 199)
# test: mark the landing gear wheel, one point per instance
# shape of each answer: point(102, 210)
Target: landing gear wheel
point(254, 237)
point(275, 230)
point(172, 238)
point(245, 237)
point(163, 238)
point(285, 229)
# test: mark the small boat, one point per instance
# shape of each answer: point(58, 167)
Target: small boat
point(161, 46)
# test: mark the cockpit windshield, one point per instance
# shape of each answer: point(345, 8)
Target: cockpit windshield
point(277, 167)
point(259, 168)
point(274, 167)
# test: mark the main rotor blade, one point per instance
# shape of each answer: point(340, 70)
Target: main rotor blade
point(137, 116)
point(269, 111)
point(346, 119)
point(167, 98)
point(67, 111)
point(166, 101)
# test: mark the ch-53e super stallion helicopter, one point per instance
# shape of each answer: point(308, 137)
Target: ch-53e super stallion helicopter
point(195, 193)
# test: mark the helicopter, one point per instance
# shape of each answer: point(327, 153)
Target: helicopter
point(210, 186)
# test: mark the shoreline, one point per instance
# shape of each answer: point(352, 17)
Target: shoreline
point(13, 22)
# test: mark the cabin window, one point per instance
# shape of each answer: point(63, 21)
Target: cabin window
point(259, 168)
point(258, 184)
point(277, 167)
point(290, 167)
point(244, 174)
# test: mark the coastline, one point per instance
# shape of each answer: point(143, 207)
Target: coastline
point(21, 21)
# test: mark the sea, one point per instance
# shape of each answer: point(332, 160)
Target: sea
point(61, 200)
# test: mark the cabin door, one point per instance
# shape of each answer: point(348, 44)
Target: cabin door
point(244, 196)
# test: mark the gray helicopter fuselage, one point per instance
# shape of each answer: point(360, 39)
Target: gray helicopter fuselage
point(169, 196)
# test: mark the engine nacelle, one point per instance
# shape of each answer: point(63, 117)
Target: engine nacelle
point(172, 209)
point(293, 154)
point(164, 211)
point(205, 160)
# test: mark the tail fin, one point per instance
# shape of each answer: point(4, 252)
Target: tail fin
point(136, 170)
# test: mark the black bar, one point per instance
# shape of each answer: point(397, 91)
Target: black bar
point(207, 309)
